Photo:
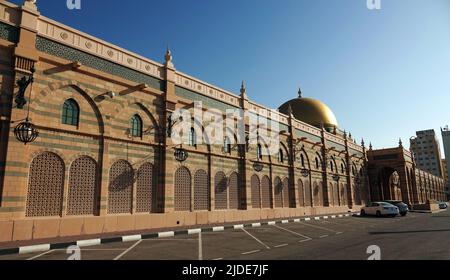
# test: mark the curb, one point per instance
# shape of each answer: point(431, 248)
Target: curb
point(93, 242)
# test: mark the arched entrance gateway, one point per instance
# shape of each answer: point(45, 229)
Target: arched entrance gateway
point(394, 176)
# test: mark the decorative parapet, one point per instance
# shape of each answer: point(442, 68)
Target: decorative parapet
point(9, 13)
point(306, 128)
point(183, 80)
point(335, 139)
point(89, 44)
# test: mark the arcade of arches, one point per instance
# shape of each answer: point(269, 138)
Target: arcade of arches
point(104, 162)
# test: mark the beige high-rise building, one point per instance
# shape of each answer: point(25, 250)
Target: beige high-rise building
point(445, 167)
point(427, 152)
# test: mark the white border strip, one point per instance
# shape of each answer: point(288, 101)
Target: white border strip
point(256, 224)
point(130, 238)
point(194, 230)
point(218, 229)
point(166, 234)
point(316, 218)
point(307, 219)
point(272, 223)
point(296, 220)
point(238, 226)
point(89, 242)
point(285, 221)
point(34, 249)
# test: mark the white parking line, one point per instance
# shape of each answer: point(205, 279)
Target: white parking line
point(218, 259)
point(259, 241)
point(127, 250)
point(319, 227)
point(281, 245)
point(250, 252)
point(323, 236)
point(200, 247)
point(40, 255)
point(293, 232)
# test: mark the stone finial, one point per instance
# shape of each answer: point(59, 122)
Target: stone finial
point(345, 134)
point(168, 58)
point(30, 4)
point(243, 90)
point(300, 94)
point(400, 142)
point(350, 135)
point(362, 142)
point(334, 130)
point(370, 146)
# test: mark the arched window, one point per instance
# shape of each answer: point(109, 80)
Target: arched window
point(226, 145)
point(136, 126)
point(302, 160)
point(259, 152)
point(342, 168)
point(192, 138)
point(332, 166)
point(280, 156)
point(317, 163)
point(70, 112)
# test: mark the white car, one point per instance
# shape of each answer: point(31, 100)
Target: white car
point(379, 209)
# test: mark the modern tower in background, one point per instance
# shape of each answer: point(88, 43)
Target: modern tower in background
point(427, 152)
point(446, 141)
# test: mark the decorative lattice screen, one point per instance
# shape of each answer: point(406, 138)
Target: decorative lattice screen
point(145, 188)
point(220, 194)
point(266, 193)
point(256, 201)
point(182, 192)
point(278, 192)
point(45, 186)
point(286, 193)
point(316, 194)
point(201, 191)
point(301, 193)
point(120, 191)
point(82, 198)
point(336, 194)
point(233, 188)
point(308, 197)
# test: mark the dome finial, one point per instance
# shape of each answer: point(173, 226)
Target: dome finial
point(300, 94)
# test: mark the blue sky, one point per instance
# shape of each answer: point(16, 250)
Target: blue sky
point(385, 73)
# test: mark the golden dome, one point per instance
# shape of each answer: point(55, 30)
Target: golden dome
point(310, 111)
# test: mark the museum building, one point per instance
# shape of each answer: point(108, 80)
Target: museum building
point(85, 147)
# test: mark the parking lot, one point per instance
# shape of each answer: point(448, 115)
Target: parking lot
point(416, 236)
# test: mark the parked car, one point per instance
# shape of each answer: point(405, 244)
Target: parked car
point(442, 205)
point(380, 208)
point(402, 207)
